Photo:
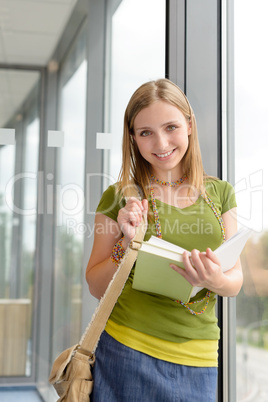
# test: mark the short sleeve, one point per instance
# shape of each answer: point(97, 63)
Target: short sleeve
point(110, 202)
point(228, 197)
point(222, 194)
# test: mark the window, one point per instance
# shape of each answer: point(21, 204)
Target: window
point(251, 150)
point(7, 167)
point(68, 274)
point(136, 30)
point(18, 213)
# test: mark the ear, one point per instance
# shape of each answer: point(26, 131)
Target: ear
point(190, 127)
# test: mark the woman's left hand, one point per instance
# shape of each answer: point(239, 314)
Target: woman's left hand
point(202, 269)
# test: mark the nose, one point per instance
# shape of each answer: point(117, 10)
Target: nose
point(161, 142)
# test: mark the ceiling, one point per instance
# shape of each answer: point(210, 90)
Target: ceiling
point(29, 33)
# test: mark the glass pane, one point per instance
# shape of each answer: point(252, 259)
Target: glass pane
point(7, 167)
point(29, 204)
point(70, 211)
point(137, 55)
point(18, 203)
point(251, 169)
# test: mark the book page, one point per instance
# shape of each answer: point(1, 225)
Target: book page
point(156, 241)
point(229, 252)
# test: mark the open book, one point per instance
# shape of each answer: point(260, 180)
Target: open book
point(154, 275)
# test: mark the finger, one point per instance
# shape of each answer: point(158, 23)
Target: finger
point(209, 260)
point(135, 201)
point(134, 204)
point(134, 218)
point(134, 210)
point(212, 256)
point(197, 271)
point(195, 259)
point(145, 205)
point(188, 269)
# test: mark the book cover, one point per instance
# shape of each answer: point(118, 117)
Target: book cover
point(154, 275)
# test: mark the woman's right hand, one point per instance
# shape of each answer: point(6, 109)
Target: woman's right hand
point(101, 268)
point(129, 217)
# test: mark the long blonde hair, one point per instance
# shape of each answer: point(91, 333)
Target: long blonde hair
point(135, 170)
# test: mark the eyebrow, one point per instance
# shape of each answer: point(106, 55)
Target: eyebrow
point(162, 125)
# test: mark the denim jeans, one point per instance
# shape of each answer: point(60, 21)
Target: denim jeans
point(122, 374)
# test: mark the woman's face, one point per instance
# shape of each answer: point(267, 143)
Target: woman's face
point(161, 133)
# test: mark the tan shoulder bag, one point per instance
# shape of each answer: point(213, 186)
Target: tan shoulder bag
point(71, 371)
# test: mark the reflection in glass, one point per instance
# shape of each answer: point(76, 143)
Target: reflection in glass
point(251, 150)
point(18, 202)
point(29, 206)
point(7, 166)
point(70, 211)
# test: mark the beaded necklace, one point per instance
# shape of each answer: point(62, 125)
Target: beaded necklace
point(163, 183)
point(169, 183)
point(217, 214)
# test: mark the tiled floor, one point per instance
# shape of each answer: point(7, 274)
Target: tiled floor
point(19, 395)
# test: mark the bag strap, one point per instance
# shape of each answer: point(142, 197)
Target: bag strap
point(90, 338)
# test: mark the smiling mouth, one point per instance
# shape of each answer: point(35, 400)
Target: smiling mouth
point(165, 154)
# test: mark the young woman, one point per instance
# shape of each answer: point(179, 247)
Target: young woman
point(155, 348)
